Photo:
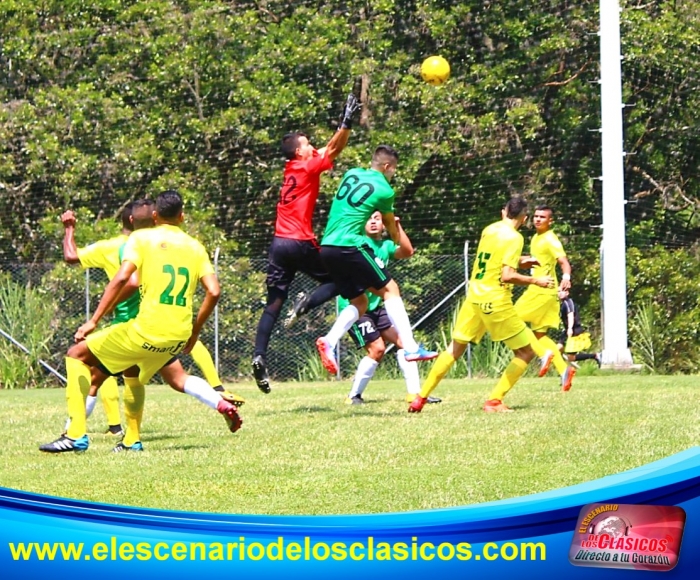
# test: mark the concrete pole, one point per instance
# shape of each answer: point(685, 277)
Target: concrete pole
point(613, 265)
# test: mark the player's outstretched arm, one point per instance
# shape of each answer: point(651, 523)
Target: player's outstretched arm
point(389, 221)
point(527, 262)
point(109, 300)
point(70, 249)
point(405, 249)
point(350, 110)
point(212, 292)
point(511, 276)
point(565, 266)
point(128, 290)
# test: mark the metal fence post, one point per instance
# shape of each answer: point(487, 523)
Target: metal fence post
point(337, 346)
point(466, 291)
point(216, 313)
point(87, 293)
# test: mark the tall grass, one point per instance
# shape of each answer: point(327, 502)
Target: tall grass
point(27, 316)
point(646, 336)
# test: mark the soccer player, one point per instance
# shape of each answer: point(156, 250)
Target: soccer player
point(574, 339)
point(294, 246)
point(169, 265)
point(489, 307)
point(373, 329)
point(106, 255)
point(351, 261)
point(103, 254)
point(539, 307)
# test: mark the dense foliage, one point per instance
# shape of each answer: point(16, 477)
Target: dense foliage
point(102, 101)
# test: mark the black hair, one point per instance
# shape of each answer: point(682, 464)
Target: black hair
point(515, 207)
point(544, 207)
point(290, 144)
point(385, 154)
point(125, 215)
point(147, 221)
point(169, 204)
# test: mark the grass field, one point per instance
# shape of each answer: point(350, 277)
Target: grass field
point(302, 451)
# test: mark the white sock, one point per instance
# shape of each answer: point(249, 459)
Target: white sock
point(399, 319)
point(347, 317)
point(410, 372)
point(90, 405)
point(202, 391)
point(363, 374)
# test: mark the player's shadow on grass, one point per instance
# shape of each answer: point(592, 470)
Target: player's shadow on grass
point(161, 436)
point(297, 411)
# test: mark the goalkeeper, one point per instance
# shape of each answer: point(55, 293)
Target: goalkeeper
point(574, 339)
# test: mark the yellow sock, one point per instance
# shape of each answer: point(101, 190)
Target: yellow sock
point(558, 360)
point(109, 392)
point(134, 400)
point(510, 376)
point(443, 363)
point(538, 347)
point(203, 360)
point(77, 391)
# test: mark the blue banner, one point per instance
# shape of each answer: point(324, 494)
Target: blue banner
point(54, 538)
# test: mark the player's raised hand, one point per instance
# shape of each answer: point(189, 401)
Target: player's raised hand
point(352, 105)
point(68, 219)
point(544, 282)
point(84, 330)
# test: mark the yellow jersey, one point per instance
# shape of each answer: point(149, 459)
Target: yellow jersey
point(103, 254)
point(500, 245)
point(547, 249)
point(170, 264)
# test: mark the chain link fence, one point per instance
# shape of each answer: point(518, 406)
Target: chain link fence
point(431, 286)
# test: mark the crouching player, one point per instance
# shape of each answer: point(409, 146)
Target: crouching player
point(169, 264)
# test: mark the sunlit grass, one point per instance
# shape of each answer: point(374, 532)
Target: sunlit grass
point(302, 451)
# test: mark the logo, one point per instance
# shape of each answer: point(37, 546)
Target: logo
point(628, 536)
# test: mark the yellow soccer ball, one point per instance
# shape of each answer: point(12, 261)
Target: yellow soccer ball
point(435, 70)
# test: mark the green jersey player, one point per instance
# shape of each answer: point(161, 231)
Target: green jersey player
point(351, 261)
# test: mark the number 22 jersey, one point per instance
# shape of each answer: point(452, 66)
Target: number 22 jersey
point(170, 264)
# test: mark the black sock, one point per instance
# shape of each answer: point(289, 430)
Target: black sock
point(585, 356)
point(265, 326)
point(321, 295)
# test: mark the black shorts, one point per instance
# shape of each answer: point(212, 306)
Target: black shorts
point(286, 257)
point(369, 327)
point(354, 270)
point(564, 335)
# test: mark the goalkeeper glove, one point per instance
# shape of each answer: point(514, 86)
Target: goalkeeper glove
point(352, 105)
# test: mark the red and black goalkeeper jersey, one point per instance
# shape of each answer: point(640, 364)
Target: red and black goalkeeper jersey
point(302, 181)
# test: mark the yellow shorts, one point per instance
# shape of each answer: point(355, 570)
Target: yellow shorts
point(579, 343)
point(541, 311)
point(119, 347)
point(501, 322)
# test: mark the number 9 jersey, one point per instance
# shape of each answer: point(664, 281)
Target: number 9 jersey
point(170, 264)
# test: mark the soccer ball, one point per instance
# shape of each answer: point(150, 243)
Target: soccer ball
point(435, 70)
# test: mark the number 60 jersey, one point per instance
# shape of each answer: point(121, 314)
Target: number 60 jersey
point(360, 193)
point(170, 264)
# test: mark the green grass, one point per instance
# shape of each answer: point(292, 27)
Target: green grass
point(302, 451)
